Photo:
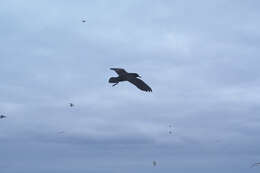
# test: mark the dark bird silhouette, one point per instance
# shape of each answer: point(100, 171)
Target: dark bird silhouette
point(255, 164)
point(130, 77)
point(83, 21)
point(71, 104)
point(2, 116)
point(154, 163)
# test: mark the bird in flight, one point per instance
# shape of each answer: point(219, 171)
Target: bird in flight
point(154, 163)
point(130, 77)
point(255, 164)
point(71, 104)
point(2, 116)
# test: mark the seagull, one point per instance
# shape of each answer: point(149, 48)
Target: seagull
point(130, 77)
point(2, 116)
point(255, 164)
point(71, 104)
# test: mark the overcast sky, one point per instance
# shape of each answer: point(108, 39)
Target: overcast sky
point(201, 58)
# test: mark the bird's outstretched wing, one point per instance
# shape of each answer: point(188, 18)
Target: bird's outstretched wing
point(119, 71)
point(139, 84)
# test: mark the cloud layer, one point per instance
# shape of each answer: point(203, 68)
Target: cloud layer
point(200, 58)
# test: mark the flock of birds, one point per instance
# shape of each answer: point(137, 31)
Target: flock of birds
point(133, 78)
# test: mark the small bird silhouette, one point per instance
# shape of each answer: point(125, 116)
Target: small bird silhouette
point(71, 104)
point(2, 116)
point(130, 77)
point(154, 163)
point(83, 21)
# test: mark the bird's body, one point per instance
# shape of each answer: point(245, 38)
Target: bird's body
point(130, 77)
point(71, 104)
point(2, 116)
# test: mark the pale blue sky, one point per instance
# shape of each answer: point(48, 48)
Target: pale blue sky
point(201, 59)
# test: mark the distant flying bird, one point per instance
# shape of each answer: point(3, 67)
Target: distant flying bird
point(71, 104)
point(154, 163)
point(2, 116)
point(255, 164)
point(130, 77)
point(83, 21)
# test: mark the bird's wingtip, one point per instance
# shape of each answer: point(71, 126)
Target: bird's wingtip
point(113, 69)
point(149, 90)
